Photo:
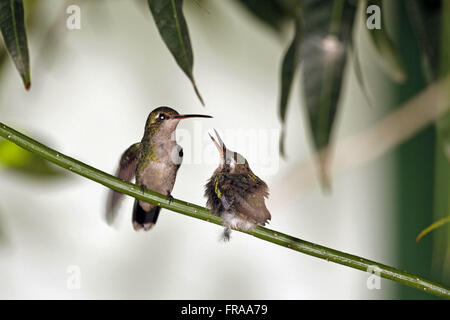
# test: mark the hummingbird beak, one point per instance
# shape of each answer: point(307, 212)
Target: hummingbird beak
point(185, 116)
point(219, 145)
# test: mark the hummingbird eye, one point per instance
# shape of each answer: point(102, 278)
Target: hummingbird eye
point(162, 116)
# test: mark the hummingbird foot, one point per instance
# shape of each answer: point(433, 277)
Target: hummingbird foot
point(170, 198)
point(226, 235)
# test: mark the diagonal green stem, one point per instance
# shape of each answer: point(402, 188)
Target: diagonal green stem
point(198, 212)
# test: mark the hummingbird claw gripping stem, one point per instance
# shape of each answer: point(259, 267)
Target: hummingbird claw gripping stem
point(226, 235)
point(170, 198)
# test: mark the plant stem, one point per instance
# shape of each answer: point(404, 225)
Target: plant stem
point(198, 212)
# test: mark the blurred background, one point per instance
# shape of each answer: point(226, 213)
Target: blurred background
point(92, 90)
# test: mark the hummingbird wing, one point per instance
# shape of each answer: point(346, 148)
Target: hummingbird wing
point(246, 195)
point(126, 171)
point(253, 208)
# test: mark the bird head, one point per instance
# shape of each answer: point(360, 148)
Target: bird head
point(229, 160)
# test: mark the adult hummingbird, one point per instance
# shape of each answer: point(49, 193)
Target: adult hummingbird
point(235, 193)
point(154, 162)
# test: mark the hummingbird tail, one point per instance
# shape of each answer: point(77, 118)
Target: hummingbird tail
point(144, 219)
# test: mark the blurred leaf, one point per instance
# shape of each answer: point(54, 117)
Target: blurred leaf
point(290, 7)
point(12, 26)
point(291, 61)
point(435, 225)
point(444, 70)
point(169, 18)
point(360, 77)
point(440, 50)
point(425, 17)
point(327, 38)
point(17, 159)
point(391, 60)
point(357, 62)
point(270, 12)
point(3, 55)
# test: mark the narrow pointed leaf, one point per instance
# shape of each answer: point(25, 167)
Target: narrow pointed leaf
point(169, 18)
point(12, 27)
point(440, 48)
point(290, 7)
point(443, 125)
point(289, 67)
point(387, 51)
point(435, 225)
point(362, 5)
point(425, 18)
point(327, 38)
point(360, 77)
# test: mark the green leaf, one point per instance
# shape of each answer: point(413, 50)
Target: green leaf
point(357, 62)
point(17, 159)
point(387, 51)
point(12, 27)
point(435, 225)
point(425, 21)
point(289, 67)
point(169, 18)
point(290, 7)
point(440, 48)
point(327, 39)
point(3, 56)
point(271, 12)
point(443, 125)
point(360, 77)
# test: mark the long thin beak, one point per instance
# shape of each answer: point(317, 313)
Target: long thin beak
point(185, 116)
point(219, 145)
point(220, 140)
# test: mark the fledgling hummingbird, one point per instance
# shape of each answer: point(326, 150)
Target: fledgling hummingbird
point(154, 161)
point(235, 193)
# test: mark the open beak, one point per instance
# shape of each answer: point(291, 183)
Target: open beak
point(219, 145)
point(185, 116)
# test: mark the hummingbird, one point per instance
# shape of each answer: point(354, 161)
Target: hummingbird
point(235, 193)
point(154, 162)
